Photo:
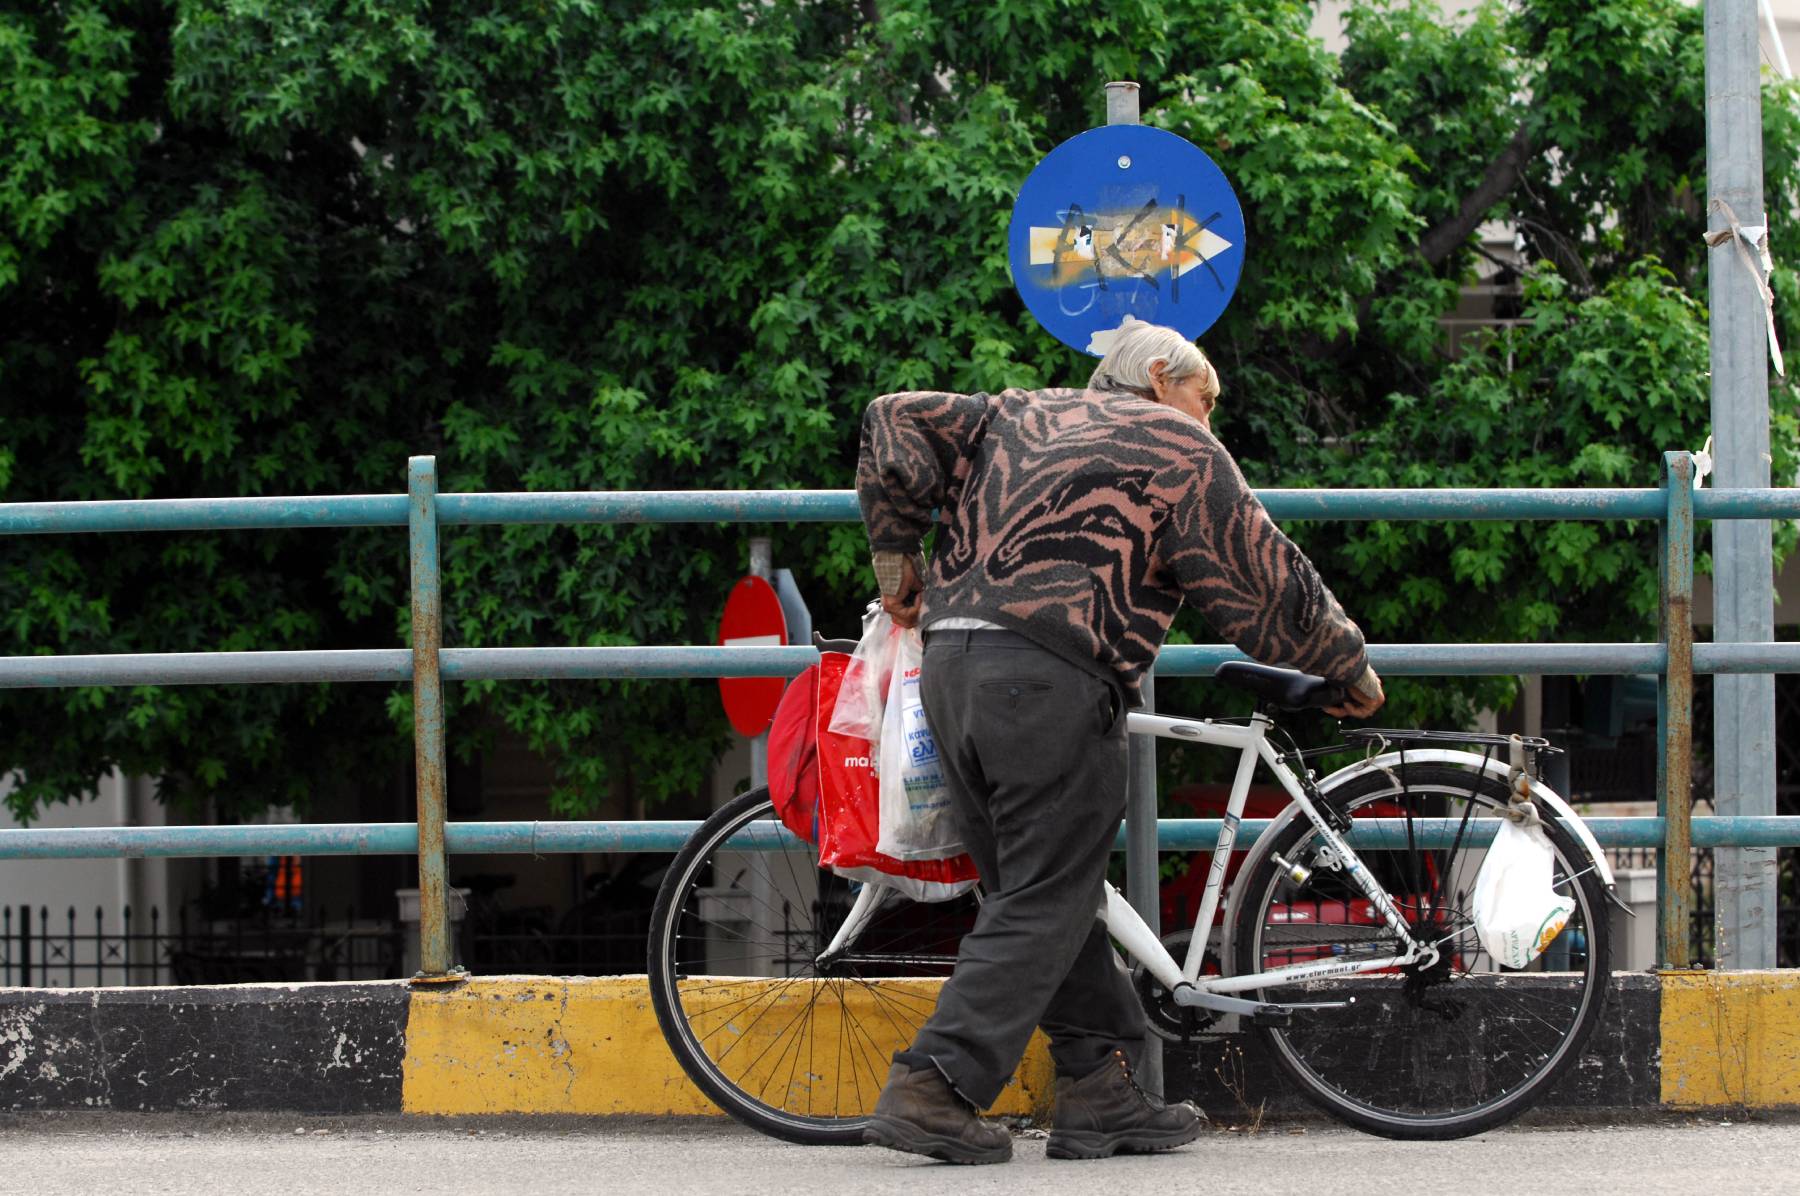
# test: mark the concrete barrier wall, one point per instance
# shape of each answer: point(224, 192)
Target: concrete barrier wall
point(1731, 1039)
point(549, 1045)
point(1231, 1076)
point(315, 1048)
point(592, 1046)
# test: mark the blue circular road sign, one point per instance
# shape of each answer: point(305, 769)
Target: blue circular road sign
point(1125, 220)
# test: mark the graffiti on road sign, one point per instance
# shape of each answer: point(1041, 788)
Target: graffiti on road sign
point(1126, 220)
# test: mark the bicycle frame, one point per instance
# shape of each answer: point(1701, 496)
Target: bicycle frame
point(1252, 742)
point(1354, 899)
point(1250, 737)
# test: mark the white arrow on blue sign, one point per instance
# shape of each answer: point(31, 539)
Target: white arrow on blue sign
point(1125, 220)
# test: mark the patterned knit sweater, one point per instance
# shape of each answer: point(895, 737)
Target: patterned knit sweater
point(1082, 520)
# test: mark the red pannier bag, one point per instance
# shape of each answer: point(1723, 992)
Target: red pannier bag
point(794, 756)
point(826, 791)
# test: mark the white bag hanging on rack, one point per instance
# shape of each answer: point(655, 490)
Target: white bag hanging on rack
point(1516, 911)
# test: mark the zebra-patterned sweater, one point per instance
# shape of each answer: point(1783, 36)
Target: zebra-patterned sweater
point(1082, 520)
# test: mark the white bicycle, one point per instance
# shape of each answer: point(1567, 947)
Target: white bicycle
point(1345, 942)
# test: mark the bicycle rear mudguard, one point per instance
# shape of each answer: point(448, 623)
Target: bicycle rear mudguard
point(1473, 761)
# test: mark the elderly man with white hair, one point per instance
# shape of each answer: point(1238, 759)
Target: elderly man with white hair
point(1071, 526)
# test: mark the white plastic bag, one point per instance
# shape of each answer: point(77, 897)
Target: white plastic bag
point(915, 798)
point(1517, 914)
point(910, 887)
point(863, 697)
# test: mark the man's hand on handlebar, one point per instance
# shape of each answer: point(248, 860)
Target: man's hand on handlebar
point(904, 607)
point(1360, 700)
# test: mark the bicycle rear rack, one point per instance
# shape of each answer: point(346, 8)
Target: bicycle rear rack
point(1400, 737)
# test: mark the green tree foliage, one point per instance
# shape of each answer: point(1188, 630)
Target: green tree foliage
point(277, 246)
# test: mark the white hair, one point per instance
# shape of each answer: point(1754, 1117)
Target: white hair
point(1138, 346)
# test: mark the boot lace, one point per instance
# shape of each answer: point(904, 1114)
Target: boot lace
point(1152, 1100)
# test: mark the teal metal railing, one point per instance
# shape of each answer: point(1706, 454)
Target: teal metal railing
point(1674, 657)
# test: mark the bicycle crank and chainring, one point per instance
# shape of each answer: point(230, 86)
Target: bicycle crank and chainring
point(1169, 1021)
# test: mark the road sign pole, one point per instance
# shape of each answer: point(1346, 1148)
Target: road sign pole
point(762, 893)
point(1122, 103)
point(1142, 885)
point(760, 566)
point(1128, 221)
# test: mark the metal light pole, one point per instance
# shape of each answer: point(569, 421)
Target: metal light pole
point(1743, 581)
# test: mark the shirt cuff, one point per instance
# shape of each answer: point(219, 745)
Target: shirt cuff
point(890, 570)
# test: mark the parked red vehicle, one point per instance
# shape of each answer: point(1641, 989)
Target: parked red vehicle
point(1180, 895)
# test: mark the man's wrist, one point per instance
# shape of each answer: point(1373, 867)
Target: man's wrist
point(890, 569)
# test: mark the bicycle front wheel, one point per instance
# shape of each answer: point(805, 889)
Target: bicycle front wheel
point(1439, 1051)
point(784, 1036)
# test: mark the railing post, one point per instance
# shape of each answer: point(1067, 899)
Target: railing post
point(1675, 714)
point(428, 719)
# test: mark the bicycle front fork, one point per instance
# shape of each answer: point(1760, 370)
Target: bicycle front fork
point(868, 900)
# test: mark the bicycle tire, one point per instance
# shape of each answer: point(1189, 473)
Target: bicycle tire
point(794, 1050)
point(1436, 1053)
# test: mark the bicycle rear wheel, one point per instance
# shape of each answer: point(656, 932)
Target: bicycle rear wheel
point(788, 1043)
point(1434, 1052)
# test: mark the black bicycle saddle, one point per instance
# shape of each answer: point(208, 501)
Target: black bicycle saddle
point(1290, 689)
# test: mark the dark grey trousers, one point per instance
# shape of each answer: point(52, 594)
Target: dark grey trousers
point(1035, 752)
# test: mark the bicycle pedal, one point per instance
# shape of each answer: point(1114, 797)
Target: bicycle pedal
point(1274, 1016)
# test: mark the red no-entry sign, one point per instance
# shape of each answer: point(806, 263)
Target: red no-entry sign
point(752, 619)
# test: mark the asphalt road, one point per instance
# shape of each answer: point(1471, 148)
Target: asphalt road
point(237, 1155)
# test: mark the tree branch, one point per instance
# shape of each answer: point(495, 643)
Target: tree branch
point(1502, 175)
point(1441, 240)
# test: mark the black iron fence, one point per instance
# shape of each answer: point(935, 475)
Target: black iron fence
point(72, 948)
point(605, 933)
point(1703, 941)
point(68, 949)
point(1787, 910)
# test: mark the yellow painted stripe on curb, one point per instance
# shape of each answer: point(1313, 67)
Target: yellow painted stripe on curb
point(529, 1044)
point(1731, 1038)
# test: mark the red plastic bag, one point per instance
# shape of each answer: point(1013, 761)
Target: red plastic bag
point(849, 810)
point(794, 756)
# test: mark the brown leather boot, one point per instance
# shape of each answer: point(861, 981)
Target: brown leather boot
point(919, 1113)
point(1106, 1113)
